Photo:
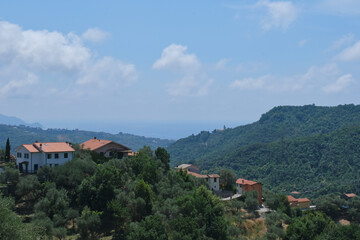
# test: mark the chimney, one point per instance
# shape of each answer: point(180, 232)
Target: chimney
point(94, 137)
point(40, 146)
point(36, 141)
point(243, 181)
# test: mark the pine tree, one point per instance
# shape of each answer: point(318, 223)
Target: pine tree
point(7, 151)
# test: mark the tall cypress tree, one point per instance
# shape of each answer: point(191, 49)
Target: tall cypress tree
point(7, 151)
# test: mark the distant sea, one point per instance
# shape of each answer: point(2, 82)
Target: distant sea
point(164, 130)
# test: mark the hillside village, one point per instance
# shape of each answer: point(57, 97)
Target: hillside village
point(40, 157)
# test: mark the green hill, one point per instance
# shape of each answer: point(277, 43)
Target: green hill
point(309, 148)
point(22, 134)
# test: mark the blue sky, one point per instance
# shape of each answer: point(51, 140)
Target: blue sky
point(116, 63)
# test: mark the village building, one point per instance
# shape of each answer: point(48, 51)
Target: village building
point(213, 180)
point(30, 157)
point(107, 148)
point(188, 167)
point(302, 203)
point(348, 196)
point(243, 185)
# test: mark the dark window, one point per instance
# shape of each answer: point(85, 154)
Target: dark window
point(56, 155)
point(49, 156)
point(56, 165)
point(50, 165)
point(36, 167)
point(65, 155)
point(111, 154)
point(120, 155)
point(214, 179)
point(101, 154)
point(26, 155)
point(18, 154)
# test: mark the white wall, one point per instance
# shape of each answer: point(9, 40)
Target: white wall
point(214, 185)
point(238, 188)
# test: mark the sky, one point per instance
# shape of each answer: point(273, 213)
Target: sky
point(172, 68)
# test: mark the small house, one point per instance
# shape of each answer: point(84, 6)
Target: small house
point(107, 148)
point(243, 185)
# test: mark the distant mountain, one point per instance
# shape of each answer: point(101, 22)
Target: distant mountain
point(298, 148)
point(17, 121)
point(23, 134)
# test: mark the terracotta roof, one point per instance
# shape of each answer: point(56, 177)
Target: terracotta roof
point(213, 176)
point(294, 192)
point(54, 147)
point(303, 200)
point(291, 199)
point(350, 195)
point(94, 143)
point(242, 181)
point(30, 148)
point(197, 175)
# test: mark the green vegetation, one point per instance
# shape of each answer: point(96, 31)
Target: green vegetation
point(314, 150)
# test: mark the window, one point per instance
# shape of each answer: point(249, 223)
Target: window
point(36, 167)
point(50, 165)
point(18, 154)
point(65, 155)
point(111, 154)
point(56, 165)
point(215, 179)
point(56, 155)
point(102, 154)
point(49, 156)
point(26, 155)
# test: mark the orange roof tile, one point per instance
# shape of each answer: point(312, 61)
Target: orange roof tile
point(53, 147)
point(30, 148)
point(350, 195)
point(303, 200)
point(291, 199)
point(94, 143)
point(213, 176)
point(197, 175)
point(242, 181)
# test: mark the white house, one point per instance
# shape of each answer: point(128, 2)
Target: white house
point(212, 179)
point(30, 157)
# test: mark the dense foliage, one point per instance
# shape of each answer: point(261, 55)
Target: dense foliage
point(23, 134)
point(309, 149)
point(132, 198)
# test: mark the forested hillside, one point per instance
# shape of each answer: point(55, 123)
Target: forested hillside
point(21, 134)
point(309, 148)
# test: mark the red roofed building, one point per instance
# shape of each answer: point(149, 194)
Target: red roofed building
point(243, 185)
point(107, 148)
point(30, 157)
point(301, 202)
point(348, 196)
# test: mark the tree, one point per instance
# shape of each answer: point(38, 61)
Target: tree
point(163, 156)
point(227, 179)
point(7, 151)
point(88, 223)
point(143, 190)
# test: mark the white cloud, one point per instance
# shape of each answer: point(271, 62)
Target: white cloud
point(343, 41)
point(250, 83)
point(326, 78)
point(193, 82)
point(350, 54)
point(280, 14)
point(340, 84)
point(109, 72)
point(95, 35)
point(302, 42)
point(222, 63)
point(18, 85)
point(174, 57)
point(53, 57)
point(340, 7)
